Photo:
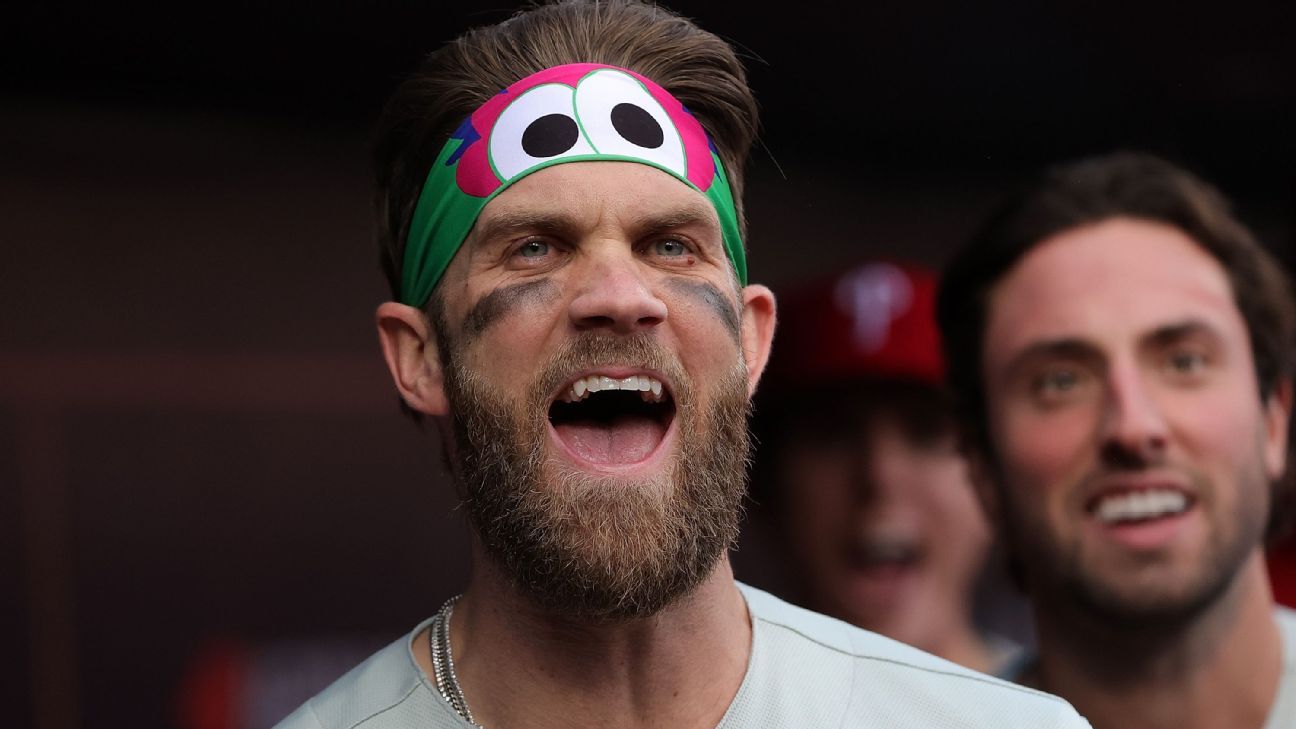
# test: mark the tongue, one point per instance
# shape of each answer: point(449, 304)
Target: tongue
point(624, 440)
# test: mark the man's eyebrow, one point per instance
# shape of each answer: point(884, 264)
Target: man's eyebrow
point(699, 214)
point(512, 222)
point(1171, 333)
point(1062, 348)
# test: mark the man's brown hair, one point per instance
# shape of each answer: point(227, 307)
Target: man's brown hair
point(1130, 185)
point(695, 66)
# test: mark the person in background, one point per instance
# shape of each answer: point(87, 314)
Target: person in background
point(1123, 347)
point(858, 467)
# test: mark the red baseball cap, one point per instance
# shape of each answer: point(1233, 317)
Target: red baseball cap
point(875, 320)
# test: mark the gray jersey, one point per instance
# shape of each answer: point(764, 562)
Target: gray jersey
point(805, 670)
point(1282, 715)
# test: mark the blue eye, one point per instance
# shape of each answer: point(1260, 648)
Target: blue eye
point(534, 249)
point(669, 247)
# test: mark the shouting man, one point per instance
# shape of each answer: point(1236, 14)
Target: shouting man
point(560, 212)
point(1124, 349)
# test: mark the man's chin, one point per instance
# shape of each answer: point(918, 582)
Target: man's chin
point(1158, 598)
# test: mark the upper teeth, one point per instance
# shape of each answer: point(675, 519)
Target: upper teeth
point(649, 389)
point(1134, 505)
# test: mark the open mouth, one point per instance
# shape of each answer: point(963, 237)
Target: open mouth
point(884, 555)
point(613, 421)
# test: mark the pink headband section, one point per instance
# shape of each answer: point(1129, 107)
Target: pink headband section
point(587, 93)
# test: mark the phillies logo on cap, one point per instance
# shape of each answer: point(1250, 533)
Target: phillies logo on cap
point(874, 297)
point(874, 320)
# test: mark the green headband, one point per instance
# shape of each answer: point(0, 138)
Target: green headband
point(571, 113)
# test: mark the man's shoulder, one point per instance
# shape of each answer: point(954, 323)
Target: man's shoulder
point(876, 679)
point(820, 632)
point(1283, 711)
point(1286, 618)
point(387, 690)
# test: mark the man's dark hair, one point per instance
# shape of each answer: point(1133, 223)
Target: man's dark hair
point(695, 66)
point(1120, 185)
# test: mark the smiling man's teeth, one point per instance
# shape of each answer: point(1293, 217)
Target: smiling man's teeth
point(887, 551)
point(1141, 505)
point(648, 388)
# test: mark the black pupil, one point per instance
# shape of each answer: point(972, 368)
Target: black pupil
point(550, 135)
point(637, 126)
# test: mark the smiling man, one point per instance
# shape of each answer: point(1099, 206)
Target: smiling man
point(1124, 349)
point(560, 212)
point(859, 470)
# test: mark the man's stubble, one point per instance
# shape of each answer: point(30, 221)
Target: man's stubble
point(1063, 574)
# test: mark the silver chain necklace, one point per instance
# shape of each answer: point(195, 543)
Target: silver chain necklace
point(443, 664)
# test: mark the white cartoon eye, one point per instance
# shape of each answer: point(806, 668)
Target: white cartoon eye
point(538, 126)
point(620, 117)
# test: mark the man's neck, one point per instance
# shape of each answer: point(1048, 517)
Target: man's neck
point(1220, 670)
point(518, 666)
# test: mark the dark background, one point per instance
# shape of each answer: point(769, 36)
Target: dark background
point(198, 443)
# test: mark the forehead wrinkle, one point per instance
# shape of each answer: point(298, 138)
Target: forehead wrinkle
point(1111, 269)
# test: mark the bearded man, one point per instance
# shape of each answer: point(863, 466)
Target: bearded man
point(560, 212)
point(1124, 349)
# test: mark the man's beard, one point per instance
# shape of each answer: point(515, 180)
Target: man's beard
point(1137, 596)
point(591, 546)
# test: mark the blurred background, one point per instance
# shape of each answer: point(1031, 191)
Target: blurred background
point(203, 473)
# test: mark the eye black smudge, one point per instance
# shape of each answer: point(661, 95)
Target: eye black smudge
point(503, 300)
point(713, 299)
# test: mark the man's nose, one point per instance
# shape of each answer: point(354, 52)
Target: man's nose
point(615, 295)
point(1134, 428)
point(880, 464)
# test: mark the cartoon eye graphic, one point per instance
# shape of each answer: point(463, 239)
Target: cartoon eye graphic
point(620, 117)
point(538, 126)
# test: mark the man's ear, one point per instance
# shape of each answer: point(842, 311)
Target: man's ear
point(1277, 419)
point(412, 357)
point(758, 317)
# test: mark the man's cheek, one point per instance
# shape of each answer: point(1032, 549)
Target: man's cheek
point(1045, 450)
point(704, 298)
